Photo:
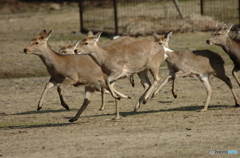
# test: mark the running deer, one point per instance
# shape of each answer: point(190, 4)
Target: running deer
point(139, 56)
point(67, 70)
point(69, 49)
point(201, 63)
point(232, 48)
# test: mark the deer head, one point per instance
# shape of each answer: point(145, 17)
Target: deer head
point(220, 34)
point(35, 45)
point(88, 45)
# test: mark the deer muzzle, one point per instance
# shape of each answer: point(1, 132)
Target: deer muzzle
point(209, 42)
point(25, 50)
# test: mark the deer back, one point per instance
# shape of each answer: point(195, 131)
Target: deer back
point(79, 69)
point(132, 56)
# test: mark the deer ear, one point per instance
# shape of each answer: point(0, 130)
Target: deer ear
point(97, 36)
point(76, 44)
point(90, 34)
point(156, 36)
point(48, 35)
point(219, 25)
point(168, 35)
point(228, 27)
point(42, 33)
point(70, 42)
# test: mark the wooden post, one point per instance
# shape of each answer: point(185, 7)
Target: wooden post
point(115, 16)
point(81, 15)
point(202, 6)
point(178, 8)
point(239, 12)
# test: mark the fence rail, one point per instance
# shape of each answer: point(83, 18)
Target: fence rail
point(140, 17)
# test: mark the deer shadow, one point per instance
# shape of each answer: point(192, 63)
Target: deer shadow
point(187, 108)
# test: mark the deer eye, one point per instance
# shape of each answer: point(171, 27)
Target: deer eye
point(36, 43)
point(218, 34)
point(85, 43)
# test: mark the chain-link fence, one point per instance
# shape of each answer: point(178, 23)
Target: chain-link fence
point(140, 17)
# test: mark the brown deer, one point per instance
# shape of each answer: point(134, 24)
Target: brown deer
point(231, 47)
point(69, 49)
point(67, 70)
point(201, 63)
point(139, 56)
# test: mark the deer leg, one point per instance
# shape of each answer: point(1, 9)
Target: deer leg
point(89, 91)
point(174, 77)
point(117, 117)
point(103, 98)
point(173, 85)
point(117, 107)
point(234, 73)
point(166, 80)
point(66, 83)
point(146, 84)
point(51, 83)
point(205, 81)
point(110, 82)
point(156, 78)
point(227, 80)
point(131, 78)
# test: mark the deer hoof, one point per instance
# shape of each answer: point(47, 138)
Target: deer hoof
point(145, 101)
point(237, 105)
point(67, 108)
point(135, 109)
point(39, 108)
point(116, 118)
point(153, 95)
point(202, 110)
point(129, 97)
point(101, 109)
point(73, 119)
point(175, 96)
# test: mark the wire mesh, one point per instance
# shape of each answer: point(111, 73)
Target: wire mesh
point(139, 17)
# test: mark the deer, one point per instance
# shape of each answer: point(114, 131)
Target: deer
point(69, 49)
point(221, 38)
point(199, 63)
point(70, 46)
point(67, 70)
point(139, 56)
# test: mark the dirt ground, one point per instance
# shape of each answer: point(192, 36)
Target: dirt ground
point(164, 127)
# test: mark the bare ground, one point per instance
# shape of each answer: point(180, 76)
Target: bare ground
point(164, 127)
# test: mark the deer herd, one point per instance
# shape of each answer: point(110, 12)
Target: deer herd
point(99, 68)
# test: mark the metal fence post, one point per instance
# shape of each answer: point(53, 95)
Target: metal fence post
point(115, 16)
point(81, 15)
point(202, 6)
point(239, 12)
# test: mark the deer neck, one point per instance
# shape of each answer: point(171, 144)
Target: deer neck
point(48, 57)
point(99, 55)
point(231, 47)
